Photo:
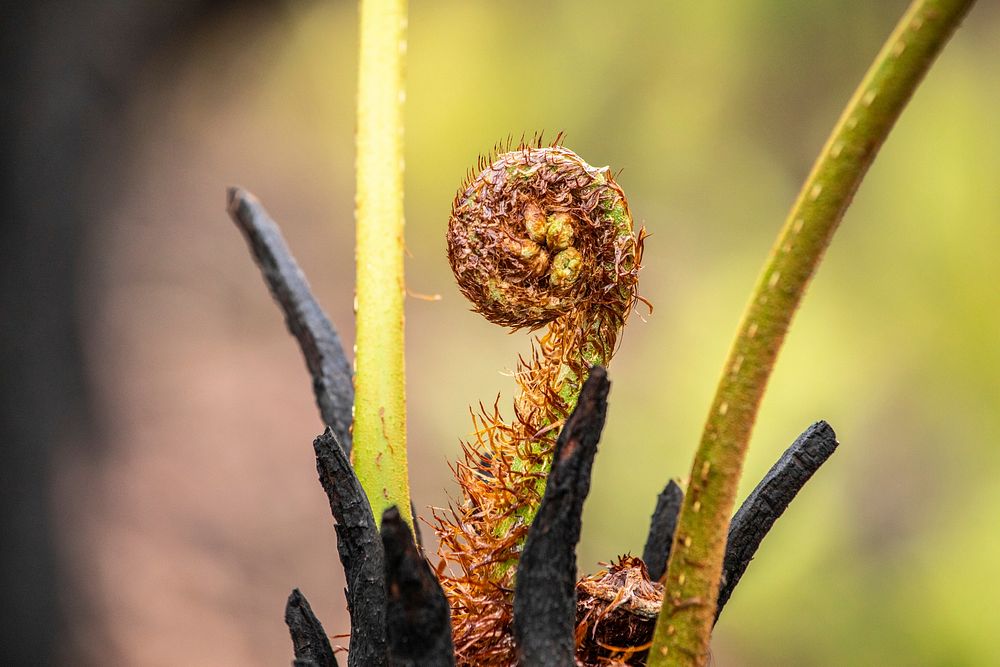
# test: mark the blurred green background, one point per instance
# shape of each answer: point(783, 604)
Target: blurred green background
point(713, 113)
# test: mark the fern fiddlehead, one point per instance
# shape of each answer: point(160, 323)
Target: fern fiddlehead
point(538, 238)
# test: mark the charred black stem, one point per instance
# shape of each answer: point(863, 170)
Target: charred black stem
point(360, 549)
point(418, 620)
point(661, 530)
point(320, 344)
point(768, 501)
point(417, 535)
point(309, 640)
point(545, 594)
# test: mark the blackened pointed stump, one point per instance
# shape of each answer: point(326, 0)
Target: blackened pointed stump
point(418, 620)
point(360, 549)
point(545, 595)
point(662, 525)
point(769, 500)
point(318, 340)
point(416, 527)
point(309, 639)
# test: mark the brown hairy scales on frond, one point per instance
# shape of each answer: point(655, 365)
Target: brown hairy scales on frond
point(538, 238)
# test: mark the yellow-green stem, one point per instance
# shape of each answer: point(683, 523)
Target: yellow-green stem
point(684, 627)
point(379, 384)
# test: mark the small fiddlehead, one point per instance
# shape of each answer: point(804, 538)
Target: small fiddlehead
point(538, 238)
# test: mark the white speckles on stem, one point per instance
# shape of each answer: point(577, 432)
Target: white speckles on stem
point(737, 365)
point(865, 123)
point(723, 409)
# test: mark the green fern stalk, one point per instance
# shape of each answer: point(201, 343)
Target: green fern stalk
point(684, 627)
point(380, 379)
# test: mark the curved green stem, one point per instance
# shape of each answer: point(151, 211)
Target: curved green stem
point(379, 383)
point(684, 627)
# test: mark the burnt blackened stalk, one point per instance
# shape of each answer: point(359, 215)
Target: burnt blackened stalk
point(769, 499)
point(318, 340)
point(545, 593)
point(418, 626)
point(309, 640)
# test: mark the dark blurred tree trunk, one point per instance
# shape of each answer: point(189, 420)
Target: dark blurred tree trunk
point(67, 73)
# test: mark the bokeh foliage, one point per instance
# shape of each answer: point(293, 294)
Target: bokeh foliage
point(713, 112)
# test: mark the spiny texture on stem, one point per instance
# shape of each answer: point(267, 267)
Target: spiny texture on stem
point(538, 238)
point(684, 628)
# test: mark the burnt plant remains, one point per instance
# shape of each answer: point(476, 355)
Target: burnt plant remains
point(399, 612)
